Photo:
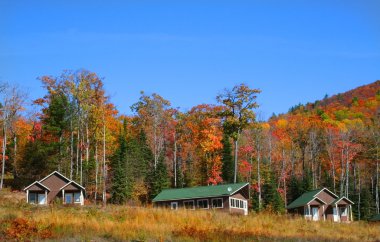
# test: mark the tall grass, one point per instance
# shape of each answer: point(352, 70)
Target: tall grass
point(121, 223)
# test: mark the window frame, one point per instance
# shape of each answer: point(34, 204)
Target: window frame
point(237, 203)
point(216, 199)
point(34, 196)
point(307, 211)
point(174, 203)
point(200, 200)
point(78, 193)
point(71, 197)
point(343, 211)
point(188, 201)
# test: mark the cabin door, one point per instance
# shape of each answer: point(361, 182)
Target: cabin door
point(245, 205)
point(315, 214)
point(41, 199)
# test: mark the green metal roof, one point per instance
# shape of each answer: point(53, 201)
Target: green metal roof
point(304, 199)
point(375, 218)
point(199, 192)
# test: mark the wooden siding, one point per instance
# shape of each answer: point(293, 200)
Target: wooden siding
point(54, 183)
point(326, 197)
point(36, 187)
point(242, 194)
point(71, 187)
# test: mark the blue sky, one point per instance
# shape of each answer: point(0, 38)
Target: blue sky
point(189, 51)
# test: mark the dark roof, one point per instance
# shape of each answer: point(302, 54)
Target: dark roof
point(68, 181)
point(36, 183)
point(55, 173)
point(340, 198)
point(199, 192)
point(73, 183)
point(307, 197)
point(376, 217)
point(304, 199)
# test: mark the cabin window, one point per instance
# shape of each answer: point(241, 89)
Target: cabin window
point(32, 197)
point(343, 211)
point(77, 197)
point(188, 204)
point(237, 203)
point(335, 212)
point(217, 202)
point(307, 210)
point(68, 198)
point(174, 205)
point(203, 203)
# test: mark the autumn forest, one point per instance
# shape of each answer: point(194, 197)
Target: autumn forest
point(128, 159)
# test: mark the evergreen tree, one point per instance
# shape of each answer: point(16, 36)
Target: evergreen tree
point(307, 182)
point(119, 189)
point(271, 197)
point(55, 123)
point(294, 190)
point(327, 181)
point(158, 178)
point(367, 204)
point(227, 160)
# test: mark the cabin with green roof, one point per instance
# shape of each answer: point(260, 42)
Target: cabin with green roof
point(231, 198)
point(322, 204)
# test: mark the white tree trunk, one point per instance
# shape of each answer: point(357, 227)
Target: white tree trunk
point(3, 158)
point(71, 148)
point(104, 165)
point(96, 170)
point(175, 160)
point(236, 160)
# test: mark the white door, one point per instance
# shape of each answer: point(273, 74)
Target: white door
point(245, 207)
point(41, 199)
point(315, 213)
point(174, 205)
point(335, 215)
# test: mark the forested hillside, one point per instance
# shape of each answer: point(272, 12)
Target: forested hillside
point(76, 130)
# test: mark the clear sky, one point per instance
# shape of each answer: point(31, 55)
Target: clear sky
point(189, 51)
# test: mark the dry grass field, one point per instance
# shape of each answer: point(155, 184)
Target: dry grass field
point(19, 221)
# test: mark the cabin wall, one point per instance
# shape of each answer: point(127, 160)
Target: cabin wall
point(326, 197)
point(54, 183)
point(167, 204)
point(226, 204)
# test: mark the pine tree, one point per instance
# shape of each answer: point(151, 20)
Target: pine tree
point(158, 178)
point(307, 183)
point(367, 204)
point(119, 189)
point(227, 160)
point(295, 189)
point(271, 197)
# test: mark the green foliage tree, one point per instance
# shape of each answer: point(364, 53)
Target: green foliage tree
point(295, 189)
point(271, 197)
point(158, 178)
point(227, 160)
point(238, 113)
point(119, 189)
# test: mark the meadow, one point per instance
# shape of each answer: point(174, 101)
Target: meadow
point(23, 222)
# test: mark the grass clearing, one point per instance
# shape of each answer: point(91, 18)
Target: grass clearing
point(20, 221)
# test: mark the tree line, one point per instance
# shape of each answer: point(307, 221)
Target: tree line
point(76, 130)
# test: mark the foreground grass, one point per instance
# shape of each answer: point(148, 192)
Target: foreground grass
point(20, 221)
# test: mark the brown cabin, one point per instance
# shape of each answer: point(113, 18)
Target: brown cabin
point(232, 198)
point(322, 204)
point(55, 186)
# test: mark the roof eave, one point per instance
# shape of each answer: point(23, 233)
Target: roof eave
point(39, 183)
